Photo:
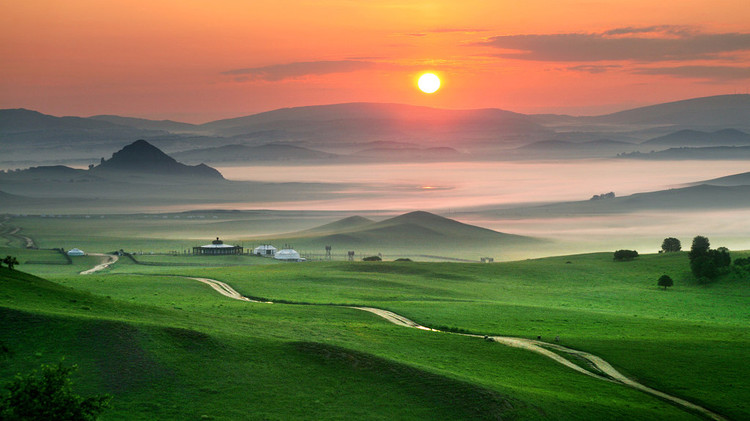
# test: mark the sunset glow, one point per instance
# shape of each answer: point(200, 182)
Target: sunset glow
point(198, 61)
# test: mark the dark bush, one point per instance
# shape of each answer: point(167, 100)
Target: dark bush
point(621, 255)
point(372, 259)
point(665, 281)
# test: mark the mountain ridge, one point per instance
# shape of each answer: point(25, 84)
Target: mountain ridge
point(141, 156)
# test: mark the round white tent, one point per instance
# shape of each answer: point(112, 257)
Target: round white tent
point(265, 250)
point(289, 255)
point(75, 252)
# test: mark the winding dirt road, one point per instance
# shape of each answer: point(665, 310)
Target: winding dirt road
point(608, 373)
point(110, 260)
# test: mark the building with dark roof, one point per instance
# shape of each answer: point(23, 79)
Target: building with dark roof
point(217, 248)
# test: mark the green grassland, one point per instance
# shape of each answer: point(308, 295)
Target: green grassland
point(172, 348)
point(169, 348)
point(690, 340)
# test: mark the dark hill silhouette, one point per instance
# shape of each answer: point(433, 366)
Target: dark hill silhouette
point(719, 110)
point(142, 157)
point(366, 122)
point(724, 137)
point(23, 119)
point(697, 197)
point(415, 231)
point(142, 123)
point(409, 154)
point(687, 153)
point(351, 223)
point(712, 112)
point(742, 179)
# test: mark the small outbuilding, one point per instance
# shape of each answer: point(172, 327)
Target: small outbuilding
point(76, 252)
point(288, 255)
point(217, 248)
point(265, 250)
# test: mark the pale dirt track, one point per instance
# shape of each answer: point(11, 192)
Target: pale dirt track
point(107, 261)
point(539, 347)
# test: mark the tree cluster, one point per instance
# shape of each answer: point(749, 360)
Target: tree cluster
point(48, 395)
point(610, 195)
point(372, 259)
point(621, 255)
point(706, 263)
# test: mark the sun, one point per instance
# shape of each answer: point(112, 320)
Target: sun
point(429, 83)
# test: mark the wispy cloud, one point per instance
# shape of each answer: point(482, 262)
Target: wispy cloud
point(716, 73)
point(643, 44)
point(300, 69)
point(594, 68)
point(445, 31)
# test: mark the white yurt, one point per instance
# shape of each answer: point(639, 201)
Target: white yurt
point(265, 250)
point(289, 255)
point(75, 252)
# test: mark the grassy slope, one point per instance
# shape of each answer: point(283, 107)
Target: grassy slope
point(172, 348)
point(690, 340)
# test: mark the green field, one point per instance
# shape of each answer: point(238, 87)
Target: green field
point(171, 348)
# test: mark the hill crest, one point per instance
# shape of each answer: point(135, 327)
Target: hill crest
point(141, 156)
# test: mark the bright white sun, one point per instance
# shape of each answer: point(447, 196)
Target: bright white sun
point(428, 83)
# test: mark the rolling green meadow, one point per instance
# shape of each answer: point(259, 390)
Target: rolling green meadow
point(167, 347)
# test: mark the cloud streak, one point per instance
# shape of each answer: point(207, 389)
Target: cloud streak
point(643, 44)
point(297, 70)
point(717, 73)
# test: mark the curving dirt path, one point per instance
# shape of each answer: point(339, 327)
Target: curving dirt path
point(224, 289)
point(110, 260)
point(539, 347)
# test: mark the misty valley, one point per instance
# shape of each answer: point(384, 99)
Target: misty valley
point(382, 261)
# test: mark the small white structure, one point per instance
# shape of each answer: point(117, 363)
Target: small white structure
point(265, 250)
point(76, 252)
point(288, 255)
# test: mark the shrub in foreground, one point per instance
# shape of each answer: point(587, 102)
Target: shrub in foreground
point(48, 395)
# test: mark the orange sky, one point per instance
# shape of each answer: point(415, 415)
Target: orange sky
point(201, 60)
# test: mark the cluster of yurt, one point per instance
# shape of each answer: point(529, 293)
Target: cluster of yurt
point(286, 254)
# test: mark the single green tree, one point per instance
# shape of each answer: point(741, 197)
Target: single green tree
point(665, 281)
point(48, 395)
point(670, 245)
point(700, 247)
point(10, 261)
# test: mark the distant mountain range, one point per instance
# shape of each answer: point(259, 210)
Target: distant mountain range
point(704, 153)
point(742, 179)
point(712, 112)
point(350, 129)
point(602, 148)
point(262, 153)
point(724, 137)
point(137, 158)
